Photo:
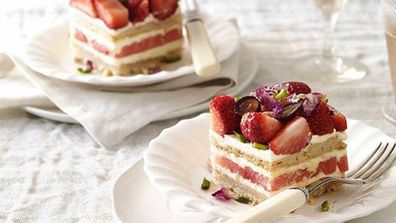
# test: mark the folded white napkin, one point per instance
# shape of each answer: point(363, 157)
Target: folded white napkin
point(109, 117)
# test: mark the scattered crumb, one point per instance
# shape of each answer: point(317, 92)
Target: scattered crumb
point(312, 201)
point(107, 73)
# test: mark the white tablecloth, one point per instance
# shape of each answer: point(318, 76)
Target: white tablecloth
point(59, 174)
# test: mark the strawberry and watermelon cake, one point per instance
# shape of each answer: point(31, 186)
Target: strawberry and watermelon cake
point(125, 37)
point(277, 137)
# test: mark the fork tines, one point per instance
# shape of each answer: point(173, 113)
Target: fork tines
point(376, 164)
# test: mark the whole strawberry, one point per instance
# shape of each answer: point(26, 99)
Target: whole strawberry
point(223, 119)
point(295, 87)
point(320, 120)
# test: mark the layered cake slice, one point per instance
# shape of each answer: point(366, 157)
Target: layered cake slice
point(278, 137)
point(126, 37)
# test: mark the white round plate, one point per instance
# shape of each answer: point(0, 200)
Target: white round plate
point(176, 163)
point(134, 197)
point(248, 69)
point(53, 114)
point(48, 53)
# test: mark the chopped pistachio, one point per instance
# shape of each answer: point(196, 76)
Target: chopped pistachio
point(171, 59)
point(259, 146)
point(237, 98)
point(205, 184)
point(325, 206)
point(281, 95)
point(84, 71)
point(243, 200)
point(240, 136)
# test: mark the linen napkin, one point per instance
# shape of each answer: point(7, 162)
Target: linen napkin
point(109, 117)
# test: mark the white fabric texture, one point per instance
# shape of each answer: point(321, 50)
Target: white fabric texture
point(56, 172)
point(107, 115)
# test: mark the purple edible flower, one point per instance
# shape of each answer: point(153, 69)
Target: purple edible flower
point(310, 103)
point(222, 194)
point(155, 70)
point(89, 65)
point(268, 103)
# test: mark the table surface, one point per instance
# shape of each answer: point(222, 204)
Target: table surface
point(68, 178)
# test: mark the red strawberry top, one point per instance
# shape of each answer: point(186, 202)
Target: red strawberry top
point(284, 116)
point(118, 13)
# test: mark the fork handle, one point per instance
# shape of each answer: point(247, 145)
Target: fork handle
point(273, 208)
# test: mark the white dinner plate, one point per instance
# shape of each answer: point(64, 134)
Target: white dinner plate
point(48, 53)
point(247, 71)
point(176, 163)
point(134, 197)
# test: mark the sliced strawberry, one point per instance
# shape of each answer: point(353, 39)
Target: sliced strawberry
point(87, 6)
point(320, 120)
point(340, 122)
point(223, 119)
point(297, 88)
point(162, 9)
point(138, 10)
point(112, 13)
point(294, 137)
point(259, 127)
point(343, 164)
point(328, 166)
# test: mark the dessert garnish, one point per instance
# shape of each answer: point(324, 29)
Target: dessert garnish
point(205, 184)
point(325, 206)
point(223, 194)
point(243, 200)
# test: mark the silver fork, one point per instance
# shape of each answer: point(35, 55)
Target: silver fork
point(367, 172)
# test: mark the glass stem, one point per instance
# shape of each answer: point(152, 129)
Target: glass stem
point(330, 20)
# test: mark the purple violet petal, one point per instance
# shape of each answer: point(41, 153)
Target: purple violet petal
point(222, 194)
point(294, 98)
point(310, 103)
point(89, 65)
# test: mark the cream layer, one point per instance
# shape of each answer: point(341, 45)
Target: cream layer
point(268, 155)
point(260, 189)
point(147, 54)
point(310, 165)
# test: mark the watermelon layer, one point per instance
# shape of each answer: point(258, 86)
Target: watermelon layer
point(326, 167)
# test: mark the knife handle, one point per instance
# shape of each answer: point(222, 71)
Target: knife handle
point(273, 208)
point(204, 60)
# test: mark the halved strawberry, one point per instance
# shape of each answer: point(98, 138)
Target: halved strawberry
point(162, 9)
point(295, 87)
point(138, 10)
point(328, 166)
point(320, 120)
point(223, 119)
point(340, 122)
point(112, 13)
point(343, 164)
point(294, 137)
point(259, 127)
point(87, 6)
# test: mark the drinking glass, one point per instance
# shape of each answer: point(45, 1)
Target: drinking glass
point(328, 66)
point(389, 12)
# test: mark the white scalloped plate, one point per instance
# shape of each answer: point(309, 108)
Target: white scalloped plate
point(247, 71)
point(48, 53)
point(176, 162)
